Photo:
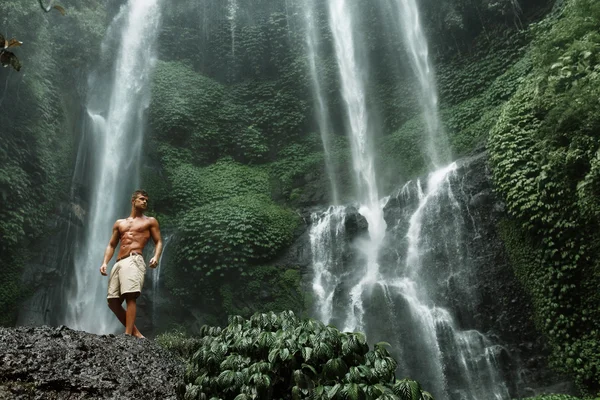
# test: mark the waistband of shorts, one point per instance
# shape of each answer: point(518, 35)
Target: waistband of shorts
point(133, 253)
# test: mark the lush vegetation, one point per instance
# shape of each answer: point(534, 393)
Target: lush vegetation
point(36, 126)
point(530, 90)
point(232, 150)
point(545, 153)
point(280, 356)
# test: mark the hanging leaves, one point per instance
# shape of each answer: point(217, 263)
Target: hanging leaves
point(8, 58)
point(50, 5)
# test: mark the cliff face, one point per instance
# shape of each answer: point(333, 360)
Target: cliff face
point(475, 283)
point(60, 363)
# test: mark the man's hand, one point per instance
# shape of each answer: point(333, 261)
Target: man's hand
point(103, 269)
point(153, 262)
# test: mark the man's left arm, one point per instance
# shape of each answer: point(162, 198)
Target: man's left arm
point(158, 244)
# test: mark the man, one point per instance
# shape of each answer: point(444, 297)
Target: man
point(127, 275)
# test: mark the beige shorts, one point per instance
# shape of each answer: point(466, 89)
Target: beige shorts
point(126, 276)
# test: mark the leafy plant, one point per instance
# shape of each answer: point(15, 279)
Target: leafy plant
point(280, 356)
point(543, 150)
point(233, 233)
point(6, 57)
point(195, 186)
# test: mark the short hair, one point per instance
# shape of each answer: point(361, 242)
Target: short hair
point(139, 192)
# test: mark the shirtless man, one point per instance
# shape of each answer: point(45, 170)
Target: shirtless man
point(127, 275)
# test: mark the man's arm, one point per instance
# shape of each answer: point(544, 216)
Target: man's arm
point(158, 244)
point(110, 249)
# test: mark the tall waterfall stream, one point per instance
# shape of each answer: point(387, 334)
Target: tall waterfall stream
point(388, 293)
point(115, 113)
point(384, 281)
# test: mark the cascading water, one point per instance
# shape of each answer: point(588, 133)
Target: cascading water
point(416, 44)
point(327, 242)
point(156, 279)
point(370, 205)
point(323, 122)
point(116, 120)
point(460, 364)
point(232, 9)
point(387, 290)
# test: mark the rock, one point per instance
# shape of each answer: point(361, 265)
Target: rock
point(60, 363)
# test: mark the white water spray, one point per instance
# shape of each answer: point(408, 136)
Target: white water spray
point(156, 280)
point(312, 44)
point(117, 130)
point(418, 49)
point(353, 92)
point(327, 241)
point(232, 9)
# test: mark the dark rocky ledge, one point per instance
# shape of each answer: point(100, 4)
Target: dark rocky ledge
point(60, 363)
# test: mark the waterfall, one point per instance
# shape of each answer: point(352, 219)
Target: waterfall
point(232, 9)
point(370, 205)
point(323, 122)
point(116, 112)
point(327, 241)
point(460, 364)
point(418, 50)
point(156, 280)
point(393, 287)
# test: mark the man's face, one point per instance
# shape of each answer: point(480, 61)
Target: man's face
point(140, 202)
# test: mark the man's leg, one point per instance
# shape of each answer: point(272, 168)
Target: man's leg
point(115, 306)
point(130, 299)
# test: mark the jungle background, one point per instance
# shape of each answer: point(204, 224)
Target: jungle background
point(232, 150)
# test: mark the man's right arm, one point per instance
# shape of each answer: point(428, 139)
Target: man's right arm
point(110, 249)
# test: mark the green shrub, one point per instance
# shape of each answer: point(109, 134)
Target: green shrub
point(276, 356)
point(178, 342)
point(194, 187)
point(185, 110)
point(232, 234)
point(299, 159)
point(263, 288)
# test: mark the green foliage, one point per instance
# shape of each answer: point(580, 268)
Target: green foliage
point(36, 141)
point(233, 233)
point(263, 288)
point(195, 187)
point(464, 77)
point(178, 342)
point(185, 110)
point(544, 150)
point(10, 289)
point(274, 356)
point(276, 108)
point(246, 121)
point(398, 150)
point(297, 160)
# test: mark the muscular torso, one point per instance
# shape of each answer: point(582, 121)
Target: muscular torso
point(133, 234)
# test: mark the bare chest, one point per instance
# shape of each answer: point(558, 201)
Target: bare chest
point(133, 228)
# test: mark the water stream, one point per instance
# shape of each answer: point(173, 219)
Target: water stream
point(115, 110)
point(232, 9)
point(382, 282)
point(408, 22)
point(155, 276)
point(370, 205)
point(322, 108)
